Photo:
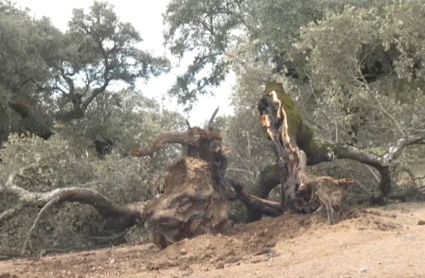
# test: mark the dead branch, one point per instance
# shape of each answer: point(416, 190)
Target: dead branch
point(188, 138)
point(182, 138)
point(9, 213)
point(188, 123)
point(118, 217)
point(344, 151)
point(267, 207)
point(212, 119)
point(274, 118)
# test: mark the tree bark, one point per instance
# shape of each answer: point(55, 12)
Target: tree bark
point(121, 217)
point(302, 136)
point(259, 205)
point(291, 161)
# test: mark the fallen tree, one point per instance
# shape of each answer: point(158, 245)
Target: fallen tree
point(196, 195)
point(195, 198)
point(300, 135)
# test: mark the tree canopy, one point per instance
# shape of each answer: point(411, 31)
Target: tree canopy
point(54, 76)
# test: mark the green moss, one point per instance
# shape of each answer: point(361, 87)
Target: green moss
point(300, 133)
point(294, 118)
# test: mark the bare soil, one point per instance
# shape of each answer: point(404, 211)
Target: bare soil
point(384, 242)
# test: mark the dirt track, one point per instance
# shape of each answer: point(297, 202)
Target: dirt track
point(375, 243)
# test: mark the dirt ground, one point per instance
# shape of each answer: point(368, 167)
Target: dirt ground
point(385, 242)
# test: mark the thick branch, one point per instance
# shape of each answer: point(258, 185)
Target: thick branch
point(343, 151)
point(274, 118)
point(182, 138)
point(120, 217)
point(32, 124)
point(95, 92)
point(9, 213)
point(187, 139)
point(210, 123)
point(267, 207)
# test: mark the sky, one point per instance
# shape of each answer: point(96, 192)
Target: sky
point(146, 17)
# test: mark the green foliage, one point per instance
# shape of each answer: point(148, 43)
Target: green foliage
point(47, 74)
point(203, 28)
point(338, 67)
point(210, 28)
point(100, 49)
point(109, 47)
point(128, 117)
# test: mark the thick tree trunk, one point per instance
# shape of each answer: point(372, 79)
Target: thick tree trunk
point(260, 205)
point(31, 123)
point(303, 137)
point(291, 161)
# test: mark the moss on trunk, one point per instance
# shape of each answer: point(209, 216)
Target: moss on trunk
point(301, 134)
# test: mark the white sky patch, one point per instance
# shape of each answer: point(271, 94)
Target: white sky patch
point(146, 17)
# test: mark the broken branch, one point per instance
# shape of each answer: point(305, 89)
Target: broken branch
point(182, 138)
point(212, 119)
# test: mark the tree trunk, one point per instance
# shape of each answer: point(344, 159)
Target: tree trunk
point(302, 136)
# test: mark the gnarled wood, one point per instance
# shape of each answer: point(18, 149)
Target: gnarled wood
point(118, 217)
point(267, 207)
point(192, 204)
point(303, 137)
point(196, 195)
point(274, 119)
point(195, 200)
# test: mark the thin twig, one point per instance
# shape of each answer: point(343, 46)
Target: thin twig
point(373, 173)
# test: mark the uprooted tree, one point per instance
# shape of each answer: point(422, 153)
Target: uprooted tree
point(195, 199)
point(196, 195)
point(301, 135)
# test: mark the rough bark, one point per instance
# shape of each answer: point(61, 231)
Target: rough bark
point(261, 205)
point(195, 200)
point(301, 135)
point(381, 164)
point(274, 119)
point(196, 194)
point(291, 161)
